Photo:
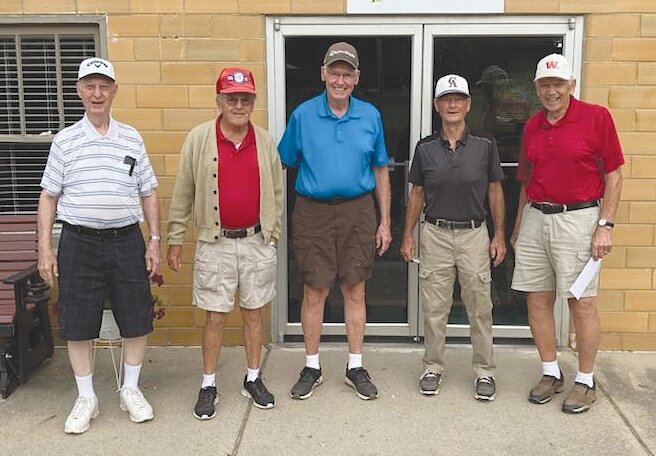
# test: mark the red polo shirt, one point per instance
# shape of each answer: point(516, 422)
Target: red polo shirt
point(239, 180)
point(562, 163)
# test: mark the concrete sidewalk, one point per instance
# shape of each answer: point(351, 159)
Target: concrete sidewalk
point(334, 421)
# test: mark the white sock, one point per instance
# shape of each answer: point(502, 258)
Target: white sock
point(312, 361)
point(252, 374)
point(85, 386)
point(355, 360)
point(208, 380)
point(551, 368)
point(131, 376)
point(586, 379)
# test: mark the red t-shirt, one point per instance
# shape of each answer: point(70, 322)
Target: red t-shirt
point(563, 163)
point(239, 180)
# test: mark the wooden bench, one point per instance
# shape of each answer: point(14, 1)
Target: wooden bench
point(25, 333)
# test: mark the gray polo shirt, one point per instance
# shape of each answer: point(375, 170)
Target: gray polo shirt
point(455, 182)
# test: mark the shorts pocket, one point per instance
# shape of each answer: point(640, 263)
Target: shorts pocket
point(265, 280)
point(206, 275)
point(485, 275)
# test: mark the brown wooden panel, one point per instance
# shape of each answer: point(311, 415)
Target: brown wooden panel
point(14, 266)
point(18, 256)
point(14, 245)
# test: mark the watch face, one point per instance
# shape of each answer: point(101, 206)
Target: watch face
point(602, 222)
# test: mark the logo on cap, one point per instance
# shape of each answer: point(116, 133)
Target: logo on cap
point(552, 64)
point(452, 82)
point(238, 77)
point(97, 63)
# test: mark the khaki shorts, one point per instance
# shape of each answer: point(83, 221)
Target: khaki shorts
point(552, 250)
point(334, 240)
point(222, 267)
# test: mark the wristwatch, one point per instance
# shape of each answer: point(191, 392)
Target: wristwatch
point(606, 223)
point(155, 237)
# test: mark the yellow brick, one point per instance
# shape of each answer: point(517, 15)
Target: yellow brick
point(641, 143)
point(162, 97)
point(235, 319)
point(635, 6)
point(137, 72)
point(639, 342)
point(611, 342)
point(147, 49)
point(140, 118)
point(622, 215)
point(156, 6)
point(646, 120)
point(318, 7)
point(172, 48)
point(164, 142)
point(251, 50)
point(597, 49)
point(624, 322)
point(171, 163)
point(638, 190)
point(264, 6)
point(640, 300)
point(586, 6)
point(202, 97)
point(186, 119)
point(616, 259)
point(103, 6)
point(642, 212)
point(180, 278)
point(233, 26)
point(160, 337)
point(120, 49)
point(180, 296)
point(537, 6)
point(233, 337)
point(48, 6)
point(641, 257)
point(188, 73)
point(597, 95)
point(211, 6)
point(652, 322)
point(633, 97)
point(177, 317)
point(648, 25)
point(643, 166)
point(647, 73)
point(260, 117)
point(185, 336)
point(625, 119)
point(634, 49)
point(11, 6)
point(610, 73)
point(125, 97)
point(197, 25)
point(610, 300)
point(134, 25)
point(620, 279)
point(212, 50)
point(171, 25)
point(157, 162)
point(612, 25)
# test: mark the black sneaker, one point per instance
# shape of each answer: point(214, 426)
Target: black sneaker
point(207, 399)
point(310, 379)
point(359, 379)
point(484, 389)
point(261, 396)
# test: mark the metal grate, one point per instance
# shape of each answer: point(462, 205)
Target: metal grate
point(38, 72)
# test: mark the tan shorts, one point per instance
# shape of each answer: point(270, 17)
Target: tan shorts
point(220, 268)
point(552, 250)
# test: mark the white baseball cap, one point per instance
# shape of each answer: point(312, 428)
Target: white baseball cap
point(451, 83)
point(553, 66)
point(96, 65)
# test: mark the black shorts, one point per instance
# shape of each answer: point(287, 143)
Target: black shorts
point(92, 269)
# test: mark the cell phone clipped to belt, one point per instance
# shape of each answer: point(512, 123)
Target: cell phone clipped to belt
point(130, 161)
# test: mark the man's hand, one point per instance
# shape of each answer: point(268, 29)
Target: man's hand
point(153, 258)
point(602, 242)
point(47, 265)
point(383, 238)
point(408, 248)
point(497, 250)
point(174, 257)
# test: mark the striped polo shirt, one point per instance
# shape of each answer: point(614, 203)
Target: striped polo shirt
point(99, 179)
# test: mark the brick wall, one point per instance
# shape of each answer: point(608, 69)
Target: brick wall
point(167, 54)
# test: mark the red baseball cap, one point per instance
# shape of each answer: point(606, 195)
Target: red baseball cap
point(235, 80)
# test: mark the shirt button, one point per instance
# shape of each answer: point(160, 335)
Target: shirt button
point(216, 208)
point(217, 223)
point(216, 237)
point(214, 158)
point(214, 175)
point(215, 192)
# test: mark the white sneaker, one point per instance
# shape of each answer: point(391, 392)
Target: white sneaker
point(134, 402)
point(84, 410)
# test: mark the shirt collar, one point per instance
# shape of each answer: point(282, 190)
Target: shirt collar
point(250, 134)
point(462, 140)
point(91, 132)
point(572, 114)
point(353, 111)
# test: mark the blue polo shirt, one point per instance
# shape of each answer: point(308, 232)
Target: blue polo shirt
point(334, 155)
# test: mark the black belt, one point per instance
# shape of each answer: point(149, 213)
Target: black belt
point(548, 208)
point(454, 224)
point(241, 233)
point(105, 233)
point(337, 200)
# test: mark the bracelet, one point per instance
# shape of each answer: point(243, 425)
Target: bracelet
point(155, 237)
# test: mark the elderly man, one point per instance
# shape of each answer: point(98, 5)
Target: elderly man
point(451, 172)
point(230, 170)
point(337, 142)
point(571, 182)
point(100, 183)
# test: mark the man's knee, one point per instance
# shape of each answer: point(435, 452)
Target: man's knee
point(215, 321)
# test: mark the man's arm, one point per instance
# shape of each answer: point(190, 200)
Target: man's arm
point(412, 212)
point(47, 263)
point(151, 213)
point(498, 208)
point(383, 195)
point(520, 211)
point(602, 241)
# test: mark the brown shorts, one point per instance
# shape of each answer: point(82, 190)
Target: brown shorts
point(334, 240)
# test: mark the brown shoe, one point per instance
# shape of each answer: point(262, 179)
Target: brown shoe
point(546, 388)
point(580, 398)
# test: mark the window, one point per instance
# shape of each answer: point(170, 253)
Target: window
point(38, 71)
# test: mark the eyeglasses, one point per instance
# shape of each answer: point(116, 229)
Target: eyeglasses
point(233, 100)
point(334, 76)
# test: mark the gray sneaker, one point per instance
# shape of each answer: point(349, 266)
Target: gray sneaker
point(429, 383)
point(309, 379)
point(358, 378)
point(484, 389)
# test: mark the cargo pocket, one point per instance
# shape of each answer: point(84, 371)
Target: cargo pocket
point(265, 280)
point(485, 275)
point(206, 275)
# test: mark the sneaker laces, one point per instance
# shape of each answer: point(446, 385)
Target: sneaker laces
point(487, 380)
point(80, 407)
point(428, 373)
point(137, 397)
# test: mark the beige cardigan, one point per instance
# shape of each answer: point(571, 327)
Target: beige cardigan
point(195, 183)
